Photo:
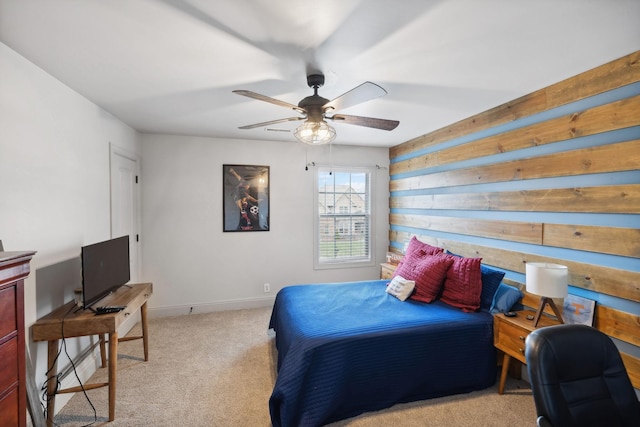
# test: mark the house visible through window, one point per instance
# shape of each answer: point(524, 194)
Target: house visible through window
point(343, 216)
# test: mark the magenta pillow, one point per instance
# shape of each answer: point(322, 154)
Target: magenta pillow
point(428, 271)
point(463, 283)
point(417, 245)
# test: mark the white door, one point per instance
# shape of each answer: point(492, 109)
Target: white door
point(124, 203)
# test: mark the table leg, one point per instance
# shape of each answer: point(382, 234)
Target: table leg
point(503, 376)
point(113, 364)
point(103, 351)
point(145, 331)
point(52, 380)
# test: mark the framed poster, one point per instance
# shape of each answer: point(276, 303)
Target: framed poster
point(578, 310)
point(245, 198)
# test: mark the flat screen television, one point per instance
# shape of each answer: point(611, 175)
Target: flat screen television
point(105, 267)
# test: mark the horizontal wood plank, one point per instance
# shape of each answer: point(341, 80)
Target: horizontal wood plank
point(632, 364)
point(618, 324)
point(606, 240)
point(623, 156)
point(610, 281)
point(617, 73)
point(513, 110)
point(605, 199)
point(527, 232)
point(616, 115)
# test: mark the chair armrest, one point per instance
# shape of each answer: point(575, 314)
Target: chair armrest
point(543, 422)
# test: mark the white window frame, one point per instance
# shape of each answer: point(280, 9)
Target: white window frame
point(343, 263)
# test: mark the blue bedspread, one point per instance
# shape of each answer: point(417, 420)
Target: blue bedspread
point(349, 348)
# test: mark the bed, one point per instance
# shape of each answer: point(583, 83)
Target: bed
point(349, 348)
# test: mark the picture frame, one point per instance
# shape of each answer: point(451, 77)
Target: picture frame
point(245, 198)
point(578, 310)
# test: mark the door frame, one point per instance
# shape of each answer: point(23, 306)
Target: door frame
point(115, 150)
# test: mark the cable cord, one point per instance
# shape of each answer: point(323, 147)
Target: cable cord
point(46, 396)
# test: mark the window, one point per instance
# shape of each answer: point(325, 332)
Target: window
point(343, 217)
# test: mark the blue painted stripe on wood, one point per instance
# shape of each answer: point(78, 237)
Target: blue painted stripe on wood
point(583, 104)
point(587, 180)
point(608, 300)
point(605, 260)
point(577, 218)
point(610, 137)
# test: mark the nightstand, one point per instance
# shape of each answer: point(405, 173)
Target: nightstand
point(387, 270)
point(509, 335)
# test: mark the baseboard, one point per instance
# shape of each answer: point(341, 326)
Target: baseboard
point(183, 310)
point(85, 368)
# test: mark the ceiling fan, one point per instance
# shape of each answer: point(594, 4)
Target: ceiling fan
point(315, 110)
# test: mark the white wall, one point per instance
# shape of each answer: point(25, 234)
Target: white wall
point(54, 173)
point(193, 263)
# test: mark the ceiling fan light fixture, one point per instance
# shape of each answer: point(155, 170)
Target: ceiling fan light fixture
point(315, 133)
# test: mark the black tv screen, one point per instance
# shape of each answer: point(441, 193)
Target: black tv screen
point(105, 267)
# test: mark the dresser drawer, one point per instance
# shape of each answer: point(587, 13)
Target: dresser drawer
point(387, 271)
point(8, 364)
point(511, 339)
point(9, 415)
point(8, 321)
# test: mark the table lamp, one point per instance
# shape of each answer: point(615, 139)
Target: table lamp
point(549, 281)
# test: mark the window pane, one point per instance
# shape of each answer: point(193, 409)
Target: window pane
point(343, 216)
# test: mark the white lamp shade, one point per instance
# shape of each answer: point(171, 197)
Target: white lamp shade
point(547, 280)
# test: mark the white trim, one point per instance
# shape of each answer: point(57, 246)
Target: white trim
point(88, 366)
point(317, 265)
point(116, 150)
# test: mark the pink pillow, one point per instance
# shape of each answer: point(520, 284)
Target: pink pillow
point(463, 284)
point(417, 245)
point(428, 271)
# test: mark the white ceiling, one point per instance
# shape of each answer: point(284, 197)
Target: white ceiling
point(169, 66)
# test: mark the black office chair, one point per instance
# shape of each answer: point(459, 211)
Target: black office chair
point(578, 379)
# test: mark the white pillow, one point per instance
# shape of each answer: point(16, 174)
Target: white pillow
point(400, 287)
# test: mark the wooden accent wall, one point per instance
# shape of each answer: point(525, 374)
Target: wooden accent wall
point(552, 176)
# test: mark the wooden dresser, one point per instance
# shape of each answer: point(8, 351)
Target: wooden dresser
point(14, 267)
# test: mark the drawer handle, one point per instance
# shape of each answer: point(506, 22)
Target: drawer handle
point(521, 350)
point(522, 338)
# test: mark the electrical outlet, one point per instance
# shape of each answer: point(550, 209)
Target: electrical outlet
point(267, 287)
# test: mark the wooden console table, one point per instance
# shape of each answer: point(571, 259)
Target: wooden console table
point(68, 321)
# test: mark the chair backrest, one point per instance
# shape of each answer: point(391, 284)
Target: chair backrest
point(578, 378)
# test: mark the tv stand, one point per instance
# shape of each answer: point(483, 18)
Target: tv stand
point(77, 323)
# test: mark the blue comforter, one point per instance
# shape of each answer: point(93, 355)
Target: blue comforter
point(349, 348)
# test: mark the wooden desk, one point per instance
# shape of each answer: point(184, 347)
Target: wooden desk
point(67, 322)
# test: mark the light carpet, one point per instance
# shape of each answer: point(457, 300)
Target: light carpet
point(218, 369)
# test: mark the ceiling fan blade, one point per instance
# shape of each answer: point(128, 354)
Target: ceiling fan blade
point(272, 122)
point(359, 94)
point(265, 98)
point(369, 122)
